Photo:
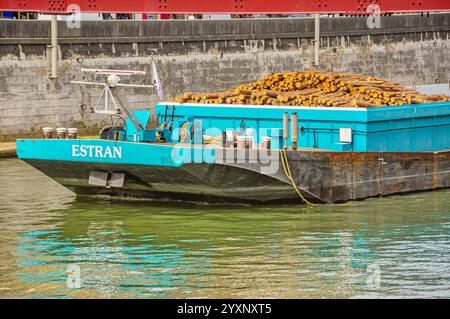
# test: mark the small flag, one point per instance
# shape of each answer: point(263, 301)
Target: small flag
point(156, 81)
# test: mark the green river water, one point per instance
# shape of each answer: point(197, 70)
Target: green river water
point(391, 247)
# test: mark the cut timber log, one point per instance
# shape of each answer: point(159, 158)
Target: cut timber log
point(312, 88)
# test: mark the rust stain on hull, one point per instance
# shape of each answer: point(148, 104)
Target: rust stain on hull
point(350, 176)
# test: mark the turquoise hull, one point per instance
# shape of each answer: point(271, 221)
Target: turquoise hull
point(156, 171)
point(112, 152)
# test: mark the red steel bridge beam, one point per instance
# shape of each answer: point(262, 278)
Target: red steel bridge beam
point(225, 6)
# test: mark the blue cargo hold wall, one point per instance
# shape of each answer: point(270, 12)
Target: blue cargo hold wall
point(409, 128)
point(412, 128)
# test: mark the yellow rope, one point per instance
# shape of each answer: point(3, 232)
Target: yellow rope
point(288, 174)
point(184, 132)
point(287, 164)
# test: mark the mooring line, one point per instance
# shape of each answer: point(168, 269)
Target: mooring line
point(287, 172)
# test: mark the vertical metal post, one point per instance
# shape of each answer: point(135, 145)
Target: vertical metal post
point(107, 93)
point(54, 47)
point(285, 128)
point(316, 38)
point(294, 130)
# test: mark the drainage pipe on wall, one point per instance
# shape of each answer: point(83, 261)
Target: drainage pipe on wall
point(54, 47)
point(316, 38)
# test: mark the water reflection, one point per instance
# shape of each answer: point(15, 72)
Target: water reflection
point(144, 249)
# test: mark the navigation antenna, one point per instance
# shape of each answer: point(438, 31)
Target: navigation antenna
point(110, 94)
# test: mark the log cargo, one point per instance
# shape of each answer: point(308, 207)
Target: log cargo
point(312, 88)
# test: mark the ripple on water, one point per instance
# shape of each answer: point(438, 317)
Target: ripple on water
point(146, 249)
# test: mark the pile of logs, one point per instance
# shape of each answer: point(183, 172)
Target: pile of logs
point(311, 88)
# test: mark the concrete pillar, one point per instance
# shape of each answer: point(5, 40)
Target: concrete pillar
point(54, 47)
point(316, 38)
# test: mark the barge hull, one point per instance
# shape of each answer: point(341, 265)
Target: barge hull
point(322, 176)
point(344, 176)
point(201, 182)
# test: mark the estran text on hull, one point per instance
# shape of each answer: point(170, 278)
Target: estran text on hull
point(96, 151)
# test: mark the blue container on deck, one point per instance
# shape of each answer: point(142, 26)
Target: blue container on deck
point(409, 128)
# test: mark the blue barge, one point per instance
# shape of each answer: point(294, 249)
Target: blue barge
point(200, 152)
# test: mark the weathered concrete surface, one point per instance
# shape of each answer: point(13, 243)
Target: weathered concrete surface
point(7, 150)
point(200, 56)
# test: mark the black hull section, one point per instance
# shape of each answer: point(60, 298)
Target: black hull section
point(211, 183)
